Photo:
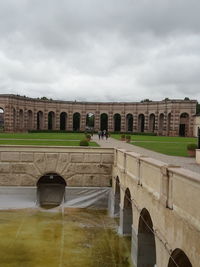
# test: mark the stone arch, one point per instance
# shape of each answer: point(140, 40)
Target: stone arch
point(179, 258)
point(76, 121)
point(152, 120)
point(127, 219)
point(29, 119)
point(146, 241)
point(1, 119)
point(169, 123)
point(90, 119)
point(50, 190)
point(117, 122)
point(141, 121)
point(184, 124)
point(104, 122)
point(51, 120)
point(63, 121)
point(21, 119)
point(117, 198)
point(40, 120)
point(161, 124)
point(129, 122)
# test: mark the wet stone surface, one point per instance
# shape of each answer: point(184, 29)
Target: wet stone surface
point(75, 238)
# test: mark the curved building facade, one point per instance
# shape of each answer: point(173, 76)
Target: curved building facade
point(167, 117)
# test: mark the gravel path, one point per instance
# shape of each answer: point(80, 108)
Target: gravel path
point(185, 162)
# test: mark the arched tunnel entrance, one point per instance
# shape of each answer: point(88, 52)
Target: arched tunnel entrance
point(50, 190)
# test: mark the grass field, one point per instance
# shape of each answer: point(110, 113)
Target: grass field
point(43, 139)
point(173, 146)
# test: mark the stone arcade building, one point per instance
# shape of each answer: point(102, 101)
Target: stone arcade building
point(167, 117)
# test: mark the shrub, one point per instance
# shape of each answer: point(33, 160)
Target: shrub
point(123, 136)
point(191, 146)
point(88, 136)
point(84, 143)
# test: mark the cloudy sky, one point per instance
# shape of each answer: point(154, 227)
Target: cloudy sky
point(100, 50)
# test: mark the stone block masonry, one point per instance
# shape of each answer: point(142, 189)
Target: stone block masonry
point(23, 166)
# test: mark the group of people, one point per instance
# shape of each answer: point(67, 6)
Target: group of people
point(103, 134)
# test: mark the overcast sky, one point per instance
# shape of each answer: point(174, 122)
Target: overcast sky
point(100, 50)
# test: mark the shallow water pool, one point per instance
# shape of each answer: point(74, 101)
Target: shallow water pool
point(74, 238)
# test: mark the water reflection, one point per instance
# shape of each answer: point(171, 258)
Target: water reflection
point(77, 238)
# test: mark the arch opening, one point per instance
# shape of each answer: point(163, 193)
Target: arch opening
point(30, 119)
point(146, 241)
point(117, 198)
point(90, 121)
point(1, 119)
point(104, 122)
point(161, 124)
point(184, 124)
point(141, 121)
point(127, 214)
point(40, 120)
point(117, 122)
point(76, 121)
point(63, 121)
point(21, 120)
point(179, 258)
point(129, 122)
point(50, 190)
point(152, 123)
point(51, 120)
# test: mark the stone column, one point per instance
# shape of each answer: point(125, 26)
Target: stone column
point(25, 119)
point(57, 120)
point(135, 122)
point(134, 246)
point(123, 129)
point(35, 119)
point(97, 121)
point(83, 121)
point(124, 221)
point(69, 121)
point(45, 120)
point(110, 121)
point(146, 122)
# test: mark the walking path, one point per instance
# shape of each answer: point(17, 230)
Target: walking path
point(185, 162)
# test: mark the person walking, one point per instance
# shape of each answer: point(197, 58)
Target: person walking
point(99, 134)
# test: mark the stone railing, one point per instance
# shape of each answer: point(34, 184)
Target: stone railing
point(176, 188)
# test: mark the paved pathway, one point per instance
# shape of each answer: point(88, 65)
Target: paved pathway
point(187, 163)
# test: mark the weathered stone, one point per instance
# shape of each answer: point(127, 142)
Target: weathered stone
point(7, 156)
point(75, 180)
point(92, 158)
point(19, 168)
point(76, 158)
point(27, 157)
point(10, 179)
point(4, 167)
point(40, 161)
point(63, 160)
point(107, 158)
point(27, 180)
point(51, 162)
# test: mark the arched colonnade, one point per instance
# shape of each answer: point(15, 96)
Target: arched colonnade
point(160, 123)
point(144, 242)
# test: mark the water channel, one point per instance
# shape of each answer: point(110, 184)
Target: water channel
point(70, 237)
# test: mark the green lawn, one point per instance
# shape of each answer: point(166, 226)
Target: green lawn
point(173, 146)
point(43, 139)
point(61, 136)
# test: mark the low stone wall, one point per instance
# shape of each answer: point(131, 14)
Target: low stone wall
point(198, 156)
point(24, 165)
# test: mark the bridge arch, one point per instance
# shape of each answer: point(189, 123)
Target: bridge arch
point(146, 241)
point(50, 190)
point(179, 258)
point(117, 197)
point(1, 119)
point(127, 215)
